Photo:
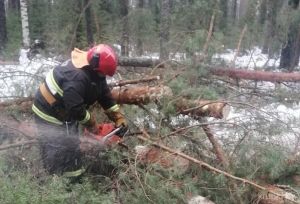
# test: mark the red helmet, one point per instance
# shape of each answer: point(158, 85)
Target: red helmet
point(103, 58)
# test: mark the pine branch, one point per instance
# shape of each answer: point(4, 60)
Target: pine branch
point(209, 167)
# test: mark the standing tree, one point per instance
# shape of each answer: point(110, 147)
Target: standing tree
point(25, 24)
point(13, 4)
point(268, 16)
point(139, 43)
point(164, 29)
point(291, 50)
point(88, 22)
point(224, 10)
point(3, 32)
point(125, 28)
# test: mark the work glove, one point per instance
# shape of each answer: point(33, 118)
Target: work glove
point(91, 125)
point(120, 121)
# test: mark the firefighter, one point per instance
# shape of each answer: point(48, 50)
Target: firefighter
point(62, 101)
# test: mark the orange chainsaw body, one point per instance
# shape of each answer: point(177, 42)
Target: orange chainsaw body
point(103, 130)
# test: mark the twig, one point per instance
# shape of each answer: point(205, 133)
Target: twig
point(139, 180)
point(199, 125)
point(19, 144)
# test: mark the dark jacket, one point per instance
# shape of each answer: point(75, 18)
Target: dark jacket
point(81, 88)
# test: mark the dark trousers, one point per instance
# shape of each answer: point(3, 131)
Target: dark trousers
point(59, 146)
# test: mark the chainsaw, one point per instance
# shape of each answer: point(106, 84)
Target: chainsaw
point(107, 133)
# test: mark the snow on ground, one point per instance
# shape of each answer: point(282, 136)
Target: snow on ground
point(252, 60)
point(21, 79)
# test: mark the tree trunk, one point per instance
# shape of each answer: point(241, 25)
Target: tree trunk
point(88, 21)
point(235, 11)
point(291, 51)
point(257, 75)
point(164, 29)
point(263, 10)
point(125, 28)
point(135, 95)
point(224, 9)
point(139, 43)
point(3, 32)
point(25, 24)
point(230, 12)
point(14, 4)
point(271, 15)
point(140, 94)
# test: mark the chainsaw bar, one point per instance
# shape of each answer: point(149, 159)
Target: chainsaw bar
point(109, 135)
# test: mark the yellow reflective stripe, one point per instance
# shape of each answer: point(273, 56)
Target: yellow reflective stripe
point(113, 108)
point(53, 82)
point(86, 118)
point(74, 173)
point(45, 116)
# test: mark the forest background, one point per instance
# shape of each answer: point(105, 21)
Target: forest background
point(258, 140)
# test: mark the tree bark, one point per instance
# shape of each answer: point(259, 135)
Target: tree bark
point(270, 22)
point(257, 75)
point(125, 28)
point(88, 22)
point(143, 95)
point(140, 94)
point(224, 10)
point(220, 154)
point(14, 4)
point(3, 32)
point(291, 51)
point(25, 24)
point(164, 29)
point(139, 43)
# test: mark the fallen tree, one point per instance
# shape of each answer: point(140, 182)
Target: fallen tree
point(140, 94)
point(257, 75)
point(143, 95)
point(228, 72)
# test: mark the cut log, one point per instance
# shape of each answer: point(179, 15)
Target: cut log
point(139, 62)
point(134, 81)
point(202, 108)
point(257, 75)
point(140, 94)
point(232, 73)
